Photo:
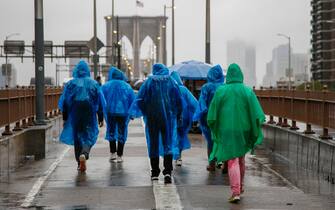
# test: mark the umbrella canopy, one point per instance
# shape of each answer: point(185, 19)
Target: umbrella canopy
point(192, 70)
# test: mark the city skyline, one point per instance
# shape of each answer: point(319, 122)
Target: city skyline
point(230, 19)
point(277, 67)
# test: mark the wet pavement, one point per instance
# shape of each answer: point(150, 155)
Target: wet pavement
point(270, 182)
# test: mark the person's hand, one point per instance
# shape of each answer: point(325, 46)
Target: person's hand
point(101, 123)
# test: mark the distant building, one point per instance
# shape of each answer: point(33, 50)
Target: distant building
point(245, 56)
point(280, 61)
point(8, 75)
point(323, 42)
point(277, 68)
point(300, 67)
point(269, 79)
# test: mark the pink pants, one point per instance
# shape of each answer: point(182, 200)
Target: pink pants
point(236, 170)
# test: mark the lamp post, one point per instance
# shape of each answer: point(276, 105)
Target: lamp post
point(208, 31)
point(39, 63)
point(164, 34)
point(6, 38)
point(95, 55)
point(289, 58)
point(113, 14)
point(173, 58)
point(173, 32)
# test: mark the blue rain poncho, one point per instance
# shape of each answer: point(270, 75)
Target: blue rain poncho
point(119, 96)
point(215, 78)
point(159, 101)
point(111, 71)
point(190, 104)
point(80, 101)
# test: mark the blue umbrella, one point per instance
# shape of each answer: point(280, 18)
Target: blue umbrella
point(191, 70)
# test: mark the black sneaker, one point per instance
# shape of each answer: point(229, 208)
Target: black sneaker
point(167, 179)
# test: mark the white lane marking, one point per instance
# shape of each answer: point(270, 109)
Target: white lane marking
point(290, 184)
point(39, 183)
point(166, 196)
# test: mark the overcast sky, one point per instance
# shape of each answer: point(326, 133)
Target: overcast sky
point(255, 21)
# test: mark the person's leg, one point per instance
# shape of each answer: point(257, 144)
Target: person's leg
point(179, 161)
point(166, 133)
point(242, 171)
point(211, 165)
point(155, 171)
point(234, 176)
point(120, 148)
point(85, 150)
point(168, 167)
point(112, 146)
point(77, 150)
point(80, 124)
point(122, 134)
point(112, 133)
point(153, 148)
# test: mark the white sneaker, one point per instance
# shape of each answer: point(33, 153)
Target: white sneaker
point(113, 157)
point(179, 162)
point(118, 159)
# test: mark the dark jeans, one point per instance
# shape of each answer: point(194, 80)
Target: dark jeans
point(154, 161)
point(80, 123)
point(118, 127)
point(157, 127)
point(112, 147)
point(80, 149)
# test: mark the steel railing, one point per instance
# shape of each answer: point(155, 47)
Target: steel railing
point(310, 107)
point(17, 105)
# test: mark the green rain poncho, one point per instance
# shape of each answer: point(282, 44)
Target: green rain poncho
point(235, 118)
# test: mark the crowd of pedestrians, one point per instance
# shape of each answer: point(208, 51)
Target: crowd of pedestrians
point(228, 112)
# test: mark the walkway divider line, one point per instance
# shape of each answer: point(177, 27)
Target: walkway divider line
point(166, 196)
point(39, 183)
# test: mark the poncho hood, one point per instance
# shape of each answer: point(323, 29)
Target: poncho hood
point(116, 74)
point(234, 74)
point(81, 70)
point(176, 77)
point(160, 69)
point(215, 74)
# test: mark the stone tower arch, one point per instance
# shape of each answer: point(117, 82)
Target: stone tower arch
point(136, 29)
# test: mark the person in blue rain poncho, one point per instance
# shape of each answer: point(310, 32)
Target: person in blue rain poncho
point(190, 105)
point(79, 103)
point(159, 101)
point(119, 96)
point(215, 78)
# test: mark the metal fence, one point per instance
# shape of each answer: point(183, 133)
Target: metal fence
point(17, 105)
point(310, 107)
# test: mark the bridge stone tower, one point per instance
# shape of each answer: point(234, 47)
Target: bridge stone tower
point(136, 29)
